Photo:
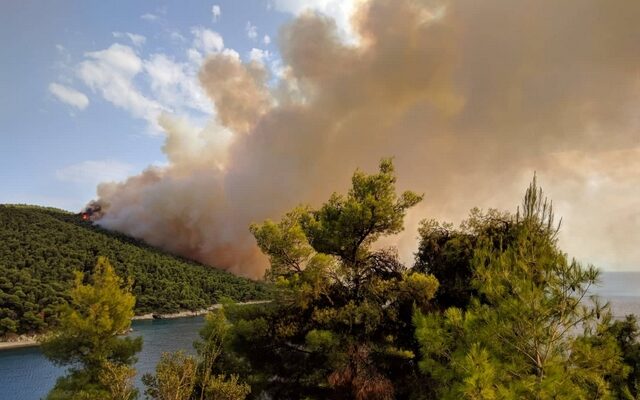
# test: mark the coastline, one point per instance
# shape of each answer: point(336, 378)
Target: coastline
point(179, 314)
point(21, 341)
point(191, 313)
point(33, 340)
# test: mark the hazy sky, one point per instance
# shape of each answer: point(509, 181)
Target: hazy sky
point(81, 83)
point(227, 112)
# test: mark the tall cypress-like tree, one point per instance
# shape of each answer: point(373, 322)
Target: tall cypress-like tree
point(86, 338)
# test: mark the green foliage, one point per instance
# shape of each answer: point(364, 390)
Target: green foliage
point(340, 324)
point(181, 377)
point(285, 243)
point(87, 340)
point(346, 227)
point(78, 386)
point(223, 388)
point(8, 325)
point(447, 253)
point(210, 349)
point(321, 340)
point(527, 331)
point(42, 248)
point(626, 334)
point(118, 381)
point(174, 379)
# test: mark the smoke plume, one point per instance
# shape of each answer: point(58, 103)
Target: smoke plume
point(470, 97)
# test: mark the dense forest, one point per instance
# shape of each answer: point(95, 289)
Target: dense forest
point(42, 248)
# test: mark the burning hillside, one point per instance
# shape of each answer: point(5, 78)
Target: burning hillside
point(92, 212)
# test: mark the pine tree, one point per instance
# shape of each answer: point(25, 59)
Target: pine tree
point(87, 338)
point(340, 325)
point(182, 377)
point(530, 331)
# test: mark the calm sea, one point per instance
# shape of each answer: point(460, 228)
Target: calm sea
point(26, 375)
point(622, 290)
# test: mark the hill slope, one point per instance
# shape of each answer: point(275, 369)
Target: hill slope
point(40, 248)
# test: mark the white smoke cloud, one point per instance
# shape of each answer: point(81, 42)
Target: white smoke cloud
point(470, 97)
point(174, 84)
point(339, 10)
point(597, 194)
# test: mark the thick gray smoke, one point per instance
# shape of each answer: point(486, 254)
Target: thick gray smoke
point(469, 96)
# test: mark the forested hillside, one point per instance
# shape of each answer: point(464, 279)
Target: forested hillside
point(40, 248)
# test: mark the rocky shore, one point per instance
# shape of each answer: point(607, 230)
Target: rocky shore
point(20, 341)
point(189, 313)
point(32, 340)
point(180, 314)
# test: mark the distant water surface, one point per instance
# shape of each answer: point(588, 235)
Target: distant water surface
point(25, 374)
point(619, 284)
point(622, 290)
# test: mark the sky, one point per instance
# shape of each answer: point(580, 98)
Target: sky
point(82, 82)
point(189, 120)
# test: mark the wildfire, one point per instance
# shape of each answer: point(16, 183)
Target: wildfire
point(92, 212)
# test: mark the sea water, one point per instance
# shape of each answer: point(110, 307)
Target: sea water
point(25, 374)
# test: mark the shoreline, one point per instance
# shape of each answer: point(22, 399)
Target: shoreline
point(191, 313)
point(23, 341)
point(179, 314)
